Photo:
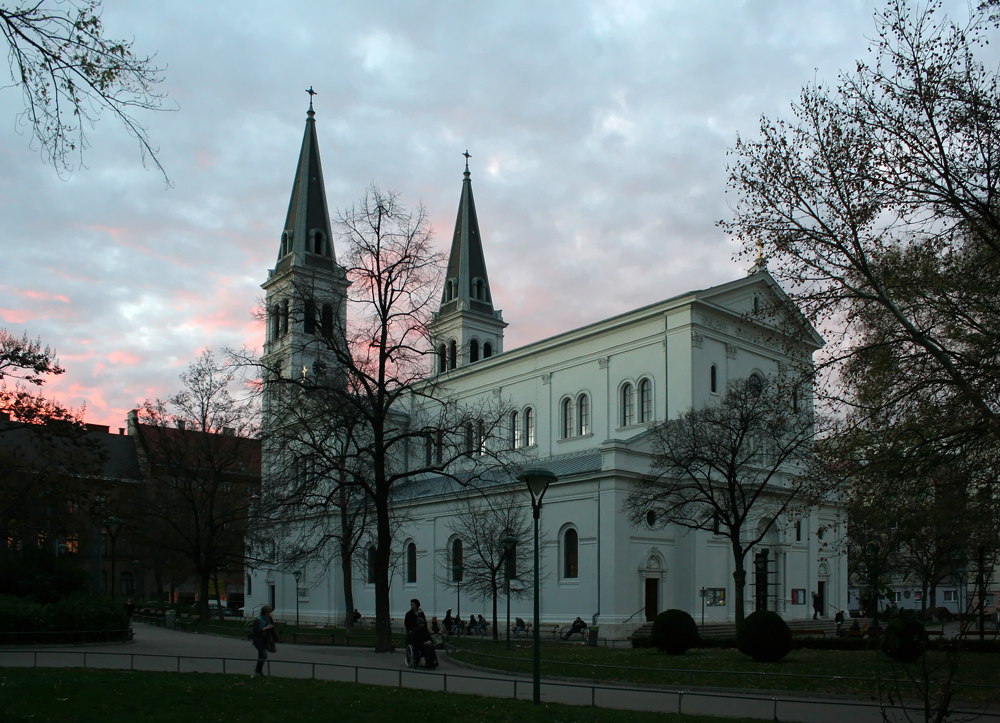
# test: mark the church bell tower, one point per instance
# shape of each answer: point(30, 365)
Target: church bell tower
point(466, 328)
point(306, 290)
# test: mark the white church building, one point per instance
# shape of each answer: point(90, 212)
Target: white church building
point(583, 403)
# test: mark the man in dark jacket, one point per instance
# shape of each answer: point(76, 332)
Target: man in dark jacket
point(417, 634)
point(263, 630)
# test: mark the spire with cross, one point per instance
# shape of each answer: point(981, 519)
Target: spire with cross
point(467, 157)
point(311, 93)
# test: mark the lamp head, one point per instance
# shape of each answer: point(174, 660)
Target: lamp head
point(297, 575)
point(538, 480)
point(113, 524)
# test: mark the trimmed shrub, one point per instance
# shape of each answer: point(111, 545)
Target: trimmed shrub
point(674, 632)
point(904, 640)
point(765, 637)
point(75, 613)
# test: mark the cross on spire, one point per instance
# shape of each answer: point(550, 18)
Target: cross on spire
point(467, 157)
point(311, 93)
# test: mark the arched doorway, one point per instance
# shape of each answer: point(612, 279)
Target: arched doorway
point(652, 575)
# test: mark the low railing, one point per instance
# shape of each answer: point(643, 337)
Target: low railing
point(59, 637)
point(663, 699)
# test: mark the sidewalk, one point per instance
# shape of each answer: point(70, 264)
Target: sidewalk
point(189, 652)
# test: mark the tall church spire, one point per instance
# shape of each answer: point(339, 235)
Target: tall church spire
point(467, 328)
point(307, 225)
point(467, 285)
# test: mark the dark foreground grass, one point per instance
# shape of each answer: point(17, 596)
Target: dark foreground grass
point(111, 696)
point(854, 673)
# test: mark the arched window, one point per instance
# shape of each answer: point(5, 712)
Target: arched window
point(284, 316)
point(442, 358)
point(309, 317)
point(756, 304)
point(714, 376)
point(452, 354)
point(795, 401)
point(487, 350)
point(583, 414)
point(473, 351)
point(529, 427)
point(456, 560)
point(448, 294)
point(571, 549)
point(480, 290)
point(645, 401)
point(755, 384)
point(327, 323)
point(249, 587)
point(566, 411)
point(428, 450)
point(275, 322)
point(480, 438)
point(627, 405)
point(371, 565)
point(318, 242)
point(286, 242)
point(411, 563)
point(516, 434)
point(468, 438)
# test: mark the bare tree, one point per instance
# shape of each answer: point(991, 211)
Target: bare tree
point(365, 416)
point(876, 204)
point(733, 467)
point(483, 521)
point(201, 461)
point(70, 73)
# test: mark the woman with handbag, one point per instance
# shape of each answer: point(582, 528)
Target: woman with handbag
point(263, 637)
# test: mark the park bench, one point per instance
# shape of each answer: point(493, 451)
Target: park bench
point(815, 633)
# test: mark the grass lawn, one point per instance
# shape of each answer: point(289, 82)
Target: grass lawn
point(803, 670)
point(110, 696)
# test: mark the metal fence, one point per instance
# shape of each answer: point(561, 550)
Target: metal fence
point(661, 699)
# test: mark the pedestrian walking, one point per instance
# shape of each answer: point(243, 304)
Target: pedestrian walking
point(263, 637)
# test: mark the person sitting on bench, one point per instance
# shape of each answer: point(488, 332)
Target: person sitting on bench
point(578, 626)
point(519, 627)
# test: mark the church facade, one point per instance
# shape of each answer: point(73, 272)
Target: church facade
point(581, 404)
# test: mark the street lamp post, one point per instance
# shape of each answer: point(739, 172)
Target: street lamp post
point(112, 525)
point(457, 570)
point(703, 609)
point(298, 576)
point(537, 480)
point(508, 541)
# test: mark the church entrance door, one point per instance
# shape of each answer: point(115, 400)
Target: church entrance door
point(652, 598)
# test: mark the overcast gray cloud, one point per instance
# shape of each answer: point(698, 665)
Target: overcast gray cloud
point(598, 133)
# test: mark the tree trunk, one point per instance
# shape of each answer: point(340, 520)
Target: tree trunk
point(203, 599)
point(346, 539)
point(739, 579)
point(383, 626)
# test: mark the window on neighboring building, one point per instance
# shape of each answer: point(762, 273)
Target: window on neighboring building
point(950, 596)
point(371, 565)
point(516, 433)
point(73, 543)
point(566, 408)
point(456, 560)
point(473, 351)
point(411, 563)
point(487, 350)
point(583, 414)
point(571, 549)
point(127, 584)
point(452, 354)
point(627, 408)
point(798, 530)
point(714, 375)
point(645, 401)
point(529, 427)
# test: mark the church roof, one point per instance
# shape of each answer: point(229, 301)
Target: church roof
point(307, 209)
point(467, 262)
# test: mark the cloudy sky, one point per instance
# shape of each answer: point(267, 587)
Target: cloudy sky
point(598, 133)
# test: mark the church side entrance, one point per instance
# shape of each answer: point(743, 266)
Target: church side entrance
point(652, 598)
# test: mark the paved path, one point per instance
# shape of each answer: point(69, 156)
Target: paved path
point(156, 648)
